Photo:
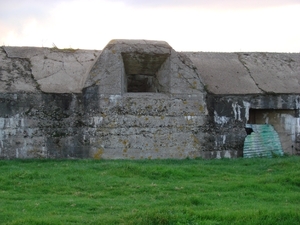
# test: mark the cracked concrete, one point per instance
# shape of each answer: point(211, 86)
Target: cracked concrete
point(248, 73)
point(15, 75)
point(65, 103)
point(241, 59)
point(222, 73)
point(67, 71)
point(84, 109)
point(55, 70)
point(274, 72)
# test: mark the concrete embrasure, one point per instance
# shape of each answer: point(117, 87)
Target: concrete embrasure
point(80, 107)
point(157, 124)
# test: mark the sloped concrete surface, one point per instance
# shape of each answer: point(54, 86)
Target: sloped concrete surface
point(223, 73)
point(274, 72)
point(67, 70)
point(56, 70)
point(248, 73)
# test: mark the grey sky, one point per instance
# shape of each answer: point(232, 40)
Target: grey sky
point(232, 4)
point(13, 10)
point(213, 25)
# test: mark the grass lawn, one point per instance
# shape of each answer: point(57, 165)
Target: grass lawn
point(237, 191)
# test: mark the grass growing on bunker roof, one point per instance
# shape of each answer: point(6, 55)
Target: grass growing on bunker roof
point(240, 191)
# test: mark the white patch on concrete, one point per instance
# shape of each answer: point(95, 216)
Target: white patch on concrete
point(223, 138)
point(192, 118)
point(218, 155)
point(227, 154)
point(12, 122)
point(44, 150)
point(291, 124)
point(237, 111)
point(265, 116)
point(247, 109)
point(22, 123)
point(297, 125)
point(96, 120)
point(14, 128)
point(267, 120)
point(188, 117)
point(114, 98)
point(10, 126)
point(1, 141)
point(234, 109)
point(220, 119)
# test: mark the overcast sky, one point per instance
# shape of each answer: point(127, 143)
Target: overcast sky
point(187, 25)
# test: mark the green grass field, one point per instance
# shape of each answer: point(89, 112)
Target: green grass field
point(239, 191)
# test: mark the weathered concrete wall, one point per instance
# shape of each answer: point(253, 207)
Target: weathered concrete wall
point(230, 114)
point(237, 83)
point(141, 126)
point(140, 99)
point(81, 108)
point(163, 123)
point(41, 125)
point(80, 126)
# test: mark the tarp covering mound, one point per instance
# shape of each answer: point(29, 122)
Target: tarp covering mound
point(262, 142)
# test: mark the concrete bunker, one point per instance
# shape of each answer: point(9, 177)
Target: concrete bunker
point(140, 99)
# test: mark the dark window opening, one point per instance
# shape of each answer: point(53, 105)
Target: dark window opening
point(141, 83)
point(142, 71)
